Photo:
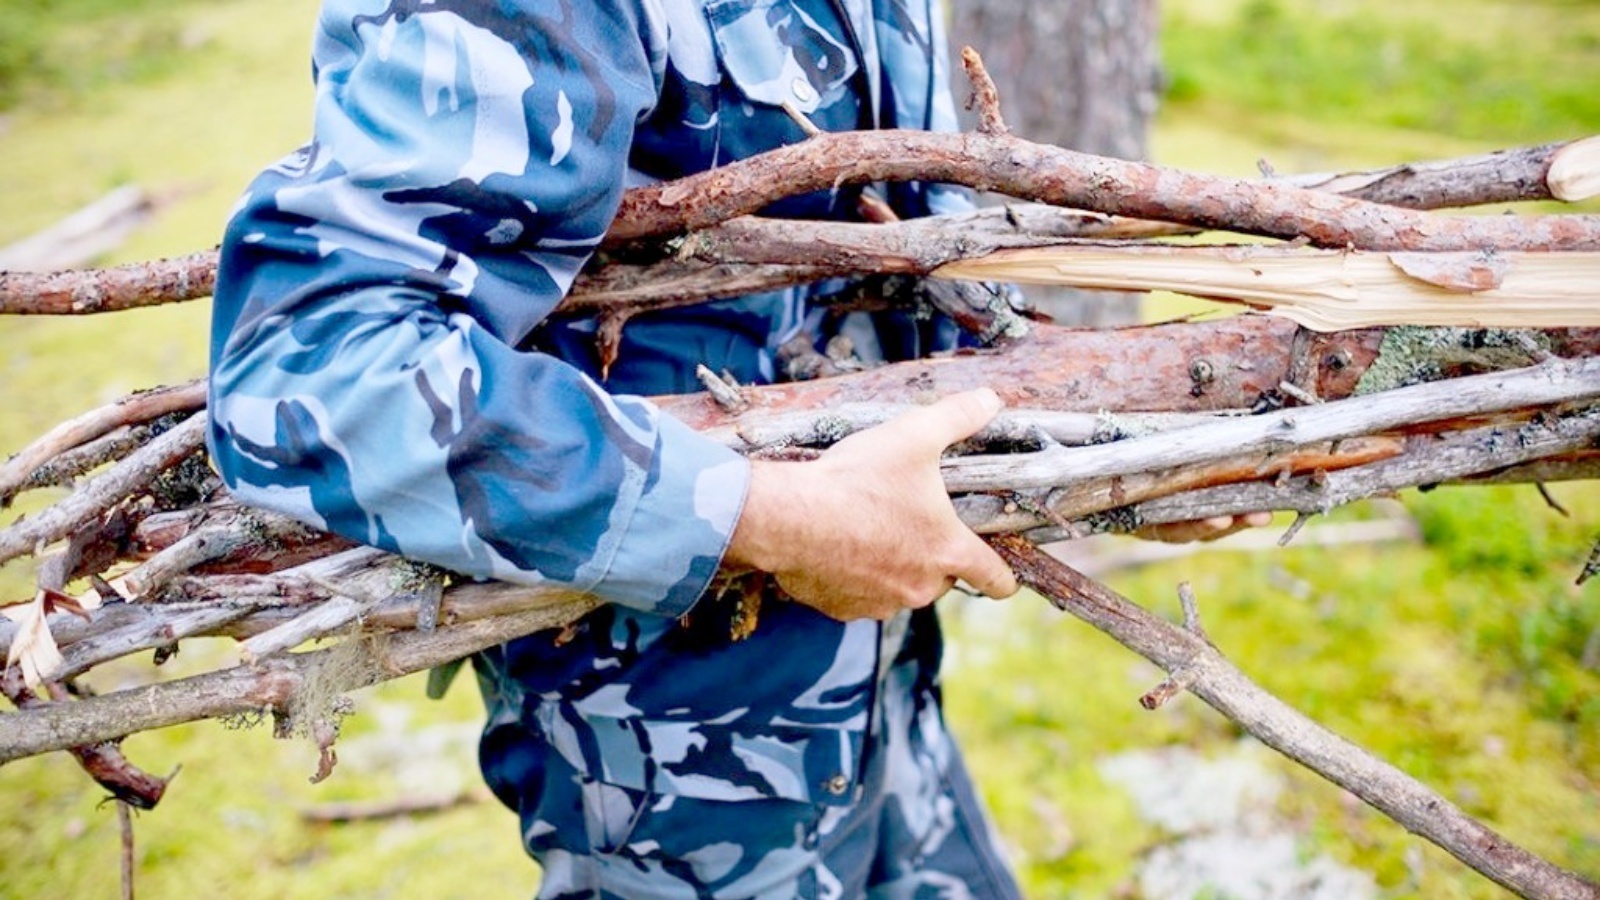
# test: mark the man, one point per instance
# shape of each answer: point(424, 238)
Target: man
point(385, 366)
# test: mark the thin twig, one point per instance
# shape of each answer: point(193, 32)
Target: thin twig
point(125, 824)
point(104, 491)
point(985, 98)
point(132, 409)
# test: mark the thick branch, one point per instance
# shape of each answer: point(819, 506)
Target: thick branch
point(1190, 659)
point(1080, 181)
point(77, 292)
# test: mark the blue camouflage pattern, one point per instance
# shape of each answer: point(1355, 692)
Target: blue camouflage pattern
point(386, 366)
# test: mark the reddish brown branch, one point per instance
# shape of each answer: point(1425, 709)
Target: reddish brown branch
point(985, 99)
point(1067, 178)
point(104, 290)
point(1193, 662)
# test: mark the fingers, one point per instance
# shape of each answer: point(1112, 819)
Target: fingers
point(950, 419)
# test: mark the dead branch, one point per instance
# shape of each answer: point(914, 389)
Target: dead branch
point(85, 234)
point(1556, 450)
point(271, 685)
point(1065, 178)
point(366, 572)
point(110, 289)
point(1564, 170)
point(1190, 659)
point(96, 497)
point(402, 807)
point(1559, 381)
point(135, 408)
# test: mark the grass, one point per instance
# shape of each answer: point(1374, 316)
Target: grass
point(1460, 660)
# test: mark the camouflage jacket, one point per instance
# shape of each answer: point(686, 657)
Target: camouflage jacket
point(385, 364)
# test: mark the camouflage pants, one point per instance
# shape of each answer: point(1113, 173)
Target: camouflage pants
point(916, 830)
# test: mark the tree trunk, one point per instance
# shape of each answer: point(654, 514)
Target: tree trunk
point(1081, 74)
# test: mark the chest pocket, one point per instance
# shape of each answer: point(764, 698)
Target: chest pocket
point(782, 51)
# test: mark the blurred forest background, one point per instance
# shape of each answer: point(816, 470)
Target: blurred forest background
point(1463, 653)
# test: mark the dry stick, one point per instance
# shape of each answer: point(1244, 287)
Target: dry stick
point(1191, 660)
point(1471, 456)
point(134, 408)
point(102, 760)
point(761, 429)
point(101, 493)
point(66, 466)
point(125, 823)
point(1558, 171)
point(269, 686)
point(163, 628)
point(1453, 456)
point(498, 611)
point(104, 290)
point(1557, 381)
point(1067, 178)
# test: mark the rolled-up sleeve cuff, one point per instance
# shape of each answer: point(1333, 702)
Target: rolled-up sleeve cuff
point(681, 526)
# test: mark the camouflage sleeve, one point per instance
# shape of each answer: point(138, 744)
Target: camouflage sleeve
point(375, 285)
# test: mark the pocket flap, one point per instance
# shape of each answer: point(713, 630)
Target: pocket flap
point(777, 53)
point(714, 761)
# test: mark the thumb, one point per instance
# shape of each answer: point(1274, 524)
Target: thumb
point(950, 419)
point(985, 570)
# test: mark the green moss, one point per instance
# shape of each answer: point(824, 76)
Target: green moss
point(1411, 355)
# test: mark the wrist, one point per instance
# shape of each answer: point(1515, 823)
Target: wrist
point(759, 537)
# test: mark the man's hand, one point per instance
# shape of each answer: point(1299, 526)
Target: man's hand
point(867, 529)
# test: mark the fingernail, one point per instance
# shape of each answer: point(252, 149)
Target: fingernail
point(991, 401)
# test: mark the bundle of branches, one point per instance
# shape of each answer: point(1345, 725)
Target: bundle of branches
point(1345, 396)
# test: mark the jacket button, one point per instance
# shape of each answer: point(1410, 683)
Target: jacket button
point(837, 785)
point(802, 90)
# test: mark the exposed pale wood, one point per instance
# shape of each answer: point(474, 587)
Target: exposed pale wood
point(1327, 290)
point(1575, 171)
point(1062, 178)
